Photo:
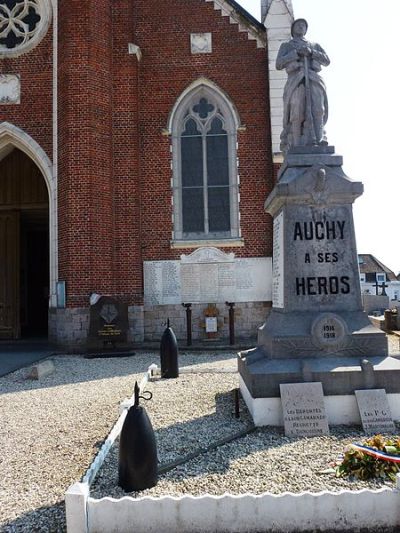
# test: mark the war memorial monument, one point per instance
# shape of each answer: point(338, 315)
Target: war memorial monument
point(317, 331)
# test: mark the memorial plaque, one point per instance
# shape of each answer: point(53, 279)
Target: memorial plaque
point(253, 279)
point(211, 324)
point(162, 285)
point(190, 280)
point(207, 275)
point(374, 411)
point(108, 325)
point(303, 410)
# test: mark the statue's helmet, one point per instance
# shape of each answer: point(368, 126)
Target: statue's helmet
point(295, 22)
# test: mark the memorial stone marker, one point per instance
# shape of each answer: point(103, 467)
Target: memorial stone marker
point(375, 411)
point(317, 329)
point(303, 410)
point(108, 326)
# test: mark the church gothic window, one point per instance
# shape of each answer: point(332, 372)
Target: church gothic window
point(205, 168)
point(23, 23)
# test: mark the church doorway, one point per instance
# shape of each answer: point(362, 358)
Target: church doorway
point(24, 248)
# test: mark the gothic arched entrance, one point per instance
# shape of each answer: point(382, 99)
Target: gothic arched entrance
point(24, 247)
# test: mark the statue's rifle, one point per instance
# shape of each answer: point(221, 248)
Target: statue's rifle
point(309, 122)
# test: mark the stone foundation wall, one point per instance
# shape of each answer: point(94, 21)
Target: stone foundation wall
point(249, 317)
point(68, 328)
point(136, 323)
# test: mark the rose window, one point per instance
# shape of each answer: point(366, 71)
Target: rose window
point(22, 25)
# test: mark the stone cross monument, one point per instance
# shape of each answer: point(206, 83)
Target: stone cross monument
point(317, 330)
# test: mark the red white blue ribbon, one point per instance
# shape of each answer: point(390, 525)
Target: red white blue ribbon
point(376, 453)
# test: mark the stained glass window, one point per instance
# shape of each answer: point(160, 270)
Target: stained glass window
point(206, 172)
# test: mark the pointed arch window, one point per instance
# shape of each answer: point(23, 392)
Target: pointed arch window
point(205, 168)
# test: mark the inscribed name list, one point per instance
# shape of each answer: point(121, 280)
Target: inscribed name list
point(278, 298)
point(303, 410)
point(374, 411)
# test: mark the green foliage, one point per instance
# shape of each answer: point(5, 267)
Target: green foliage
point(363, 466)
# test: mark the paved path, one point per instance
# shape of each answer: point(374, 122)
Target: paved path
point(14, 355)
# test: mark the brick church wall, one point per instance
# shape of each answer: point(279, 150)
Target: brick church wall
point(114, 163)
point(239, 68)
point(33, 114)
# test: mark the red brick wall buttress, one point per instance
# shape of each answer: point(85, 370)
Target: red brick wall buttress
point(85, 148)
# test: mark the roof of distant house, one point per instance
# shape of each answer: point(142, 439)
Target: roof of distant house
point(369, 265)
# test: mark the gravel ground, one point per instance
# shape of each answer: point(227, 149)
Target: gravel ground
point(262, 461)
point(51, 430)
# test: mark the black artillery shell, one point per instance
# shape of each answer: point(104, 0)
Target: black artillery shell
point(169, 354)
point(137, 452)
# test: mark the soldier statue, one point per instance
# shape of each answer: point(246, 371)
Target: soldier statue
point(304, 99)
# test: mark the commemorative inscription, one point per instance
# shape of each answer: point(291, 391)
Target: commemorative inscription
point(322, 249)
point(207, 278)
point(303, 410)
point(374, 411)
point(329, 331)
point(278, 263)
point(108, 324)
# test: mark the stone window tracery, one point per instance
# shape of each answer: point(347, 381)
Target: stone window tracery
point(205, 168)
point(23, 23)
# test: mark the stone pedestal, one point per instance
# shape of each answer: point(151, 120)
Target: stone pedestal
point(317, 329)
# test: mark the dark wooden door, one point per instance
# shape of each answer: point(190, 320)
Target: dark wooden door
point(9, 275)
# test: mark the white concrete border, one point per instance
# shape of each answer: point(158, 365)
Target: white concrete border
point(327, 511)
point(339, 409)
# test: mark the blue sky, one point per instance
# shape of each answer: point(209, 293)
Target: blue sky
point(360, 37)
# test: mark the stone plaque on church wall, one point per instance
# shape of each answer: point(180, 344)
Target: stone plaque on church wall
point(162, 282)
point(208, 282)
point(207, 275)
point(10, 89)
point(253, 278)
point(201, 43)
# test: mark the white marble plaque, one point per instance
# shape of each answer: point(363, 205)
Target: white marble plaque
point(208, 276)
point(10, 89)
point(253, 279)
point(162, 284)
point(304, 410)
point(374, 411)
point(278, 297)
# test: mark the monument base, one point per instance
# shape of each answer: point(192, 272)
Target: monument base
point(338, 375)
point(340, 409)
point(316, 334)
